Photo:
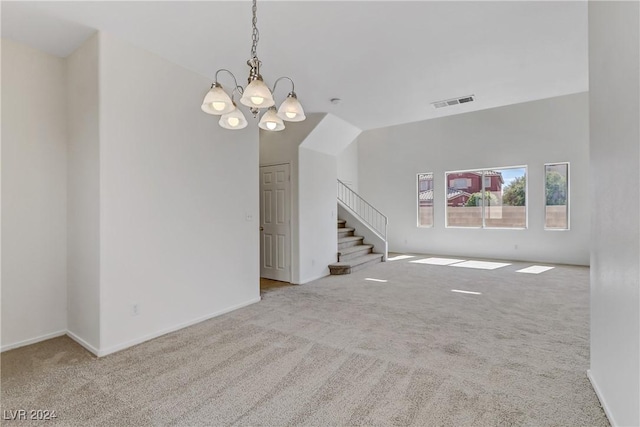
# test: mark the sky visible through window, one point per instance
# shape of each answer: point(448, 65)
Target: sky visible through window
point(508, 175)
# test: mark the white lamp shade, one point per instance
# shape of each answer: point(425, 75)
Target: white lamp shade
point(257, 95)
point(291, 110)
point(217, 102)
point(271, 121)
point(233, 120)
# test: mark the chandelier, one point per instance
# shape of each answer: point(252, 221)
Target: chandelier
point(256, 95)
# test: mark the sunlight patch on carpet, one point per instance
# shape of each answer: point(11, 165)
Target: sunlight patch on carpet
point(481, 265)
point(376, 280)
point(400, 257)
point(437, 261)
point(535, 269)
point(466, 292)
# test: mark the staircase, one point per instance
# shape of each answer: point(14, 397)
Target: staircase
point(353, 254)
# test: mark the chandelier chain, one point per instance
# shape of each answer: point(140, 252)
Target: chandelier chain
point(255, 35)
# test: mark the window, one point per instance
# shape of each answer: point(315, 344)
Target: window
point(460, 183)
point(493, 198)
point(556, 192)
point(425, 199)
point(487, 181)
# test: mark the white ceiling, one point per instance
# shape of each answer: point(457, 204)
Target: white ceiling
point(388, 61)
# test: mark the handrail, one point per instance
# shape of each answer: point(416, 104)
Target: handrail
point(371, 216)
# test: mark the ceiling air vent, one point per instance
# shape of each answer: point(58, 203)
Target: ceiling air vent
point(454, 101)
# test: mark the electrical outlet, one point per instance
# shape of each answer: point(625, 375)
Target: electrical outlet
point(135, 309)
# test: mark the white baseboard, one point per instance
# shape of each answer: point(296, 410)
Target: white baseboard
point(32, 341)
point(131, 343)
point(83, 343)
point(603, 402)
point(113, 349)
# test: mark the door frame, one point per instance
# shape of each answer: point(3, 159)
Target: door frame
point(290, 208)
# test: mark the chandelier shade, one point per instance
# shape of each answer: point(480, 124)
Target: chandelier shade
point(271, 121)
point(217, 102)
point(291, 109)
point(233, 120)
point(256, 95)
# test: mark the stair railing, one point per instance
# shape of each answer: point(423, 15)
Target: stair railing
point(371, 216)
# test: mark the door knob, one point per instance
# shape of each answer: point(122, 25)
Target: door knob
point(261, 228)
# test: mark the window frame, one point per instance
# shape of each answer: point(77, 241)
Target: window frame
point(544, 195)
point(483, 226)
point(417, 193)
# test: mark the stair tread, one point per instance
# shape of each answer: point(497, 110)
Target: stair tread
point(345, 229)
point(352, 249)
point(349, 239)
point(342, 221)
point(357, 261)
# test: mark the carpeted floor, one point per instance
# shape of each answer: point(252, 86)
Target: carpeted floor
point(343, 351)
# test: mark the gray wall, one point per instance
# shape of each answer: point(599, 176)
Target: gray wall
point(34, 195)
point(175, 193)
point(615, 160)
point(154, 203)
point(318, 213)
point(533, 133)
point(348, 166)
point(83, 217)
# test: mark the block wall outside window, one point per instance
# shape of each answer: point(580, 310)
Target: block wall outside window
point(556, 191)
point(425, 199)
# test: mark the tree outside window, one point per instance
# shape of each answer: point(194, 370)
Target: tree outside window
point(556, 177)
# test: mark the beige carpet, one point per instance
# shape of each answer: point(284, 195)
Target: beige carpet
point(343, 351)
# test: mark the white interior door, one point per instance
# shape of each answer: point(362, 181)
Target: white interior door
point(275, 227)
